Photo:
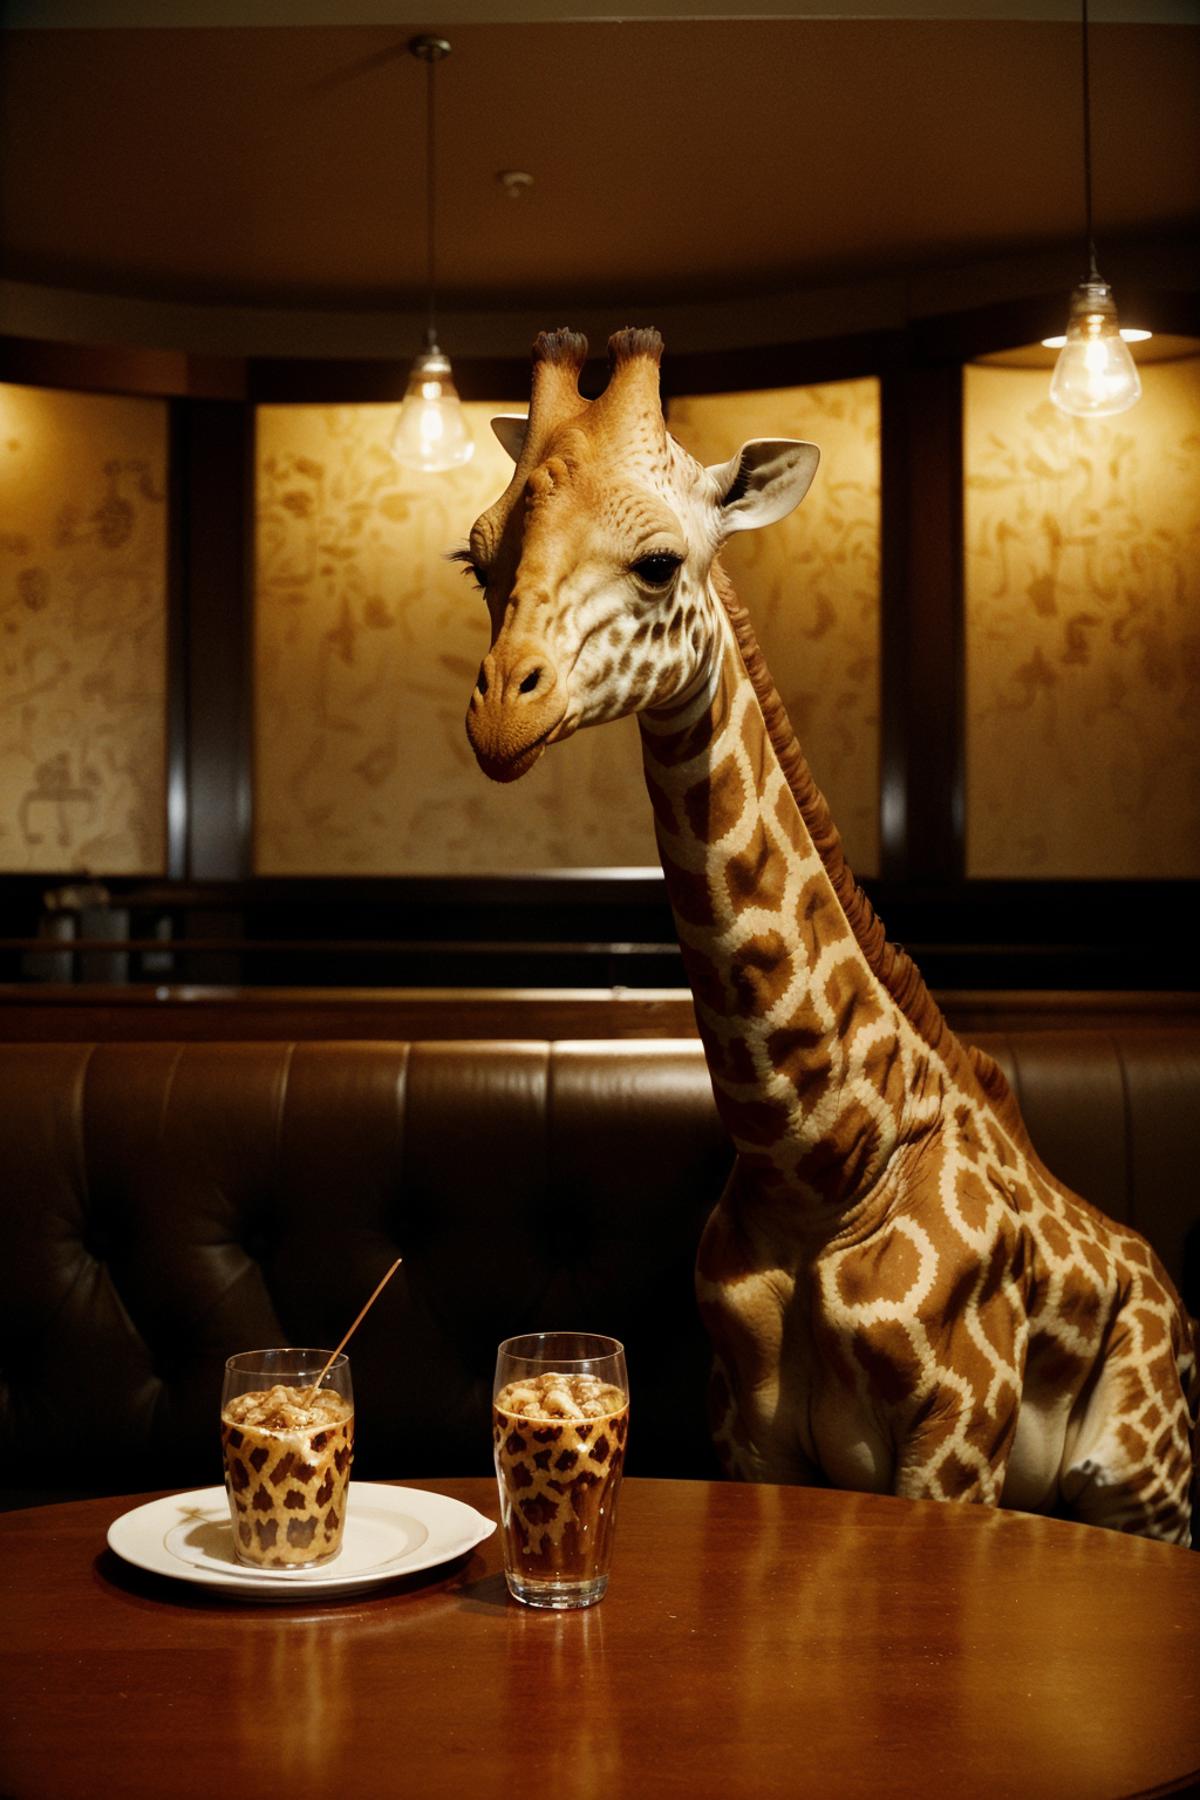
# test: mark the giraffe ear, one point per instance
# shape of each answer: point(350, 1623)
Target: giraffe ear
point(510, 428)
point(765, 480)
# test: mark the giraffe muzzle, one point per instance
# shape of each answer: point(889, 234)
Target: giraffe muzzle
point(517, 705)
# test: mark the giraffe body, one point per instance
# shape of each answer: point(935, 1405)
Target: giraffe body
point(901, 1298)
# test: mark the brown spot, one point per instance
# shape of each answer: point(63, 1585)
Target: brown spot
point(954, 1476)
point(566, 1459)
point(1153, 1331)
point(521, 1475)
point(258, 1458)
point(757, 875)
point(844, 1162)
point(267, 1530)
point(884, 1351)
point(280, 1472)
point(800, 1050)
point(852, 996)
point(664, 810)
point(733, 1062)
point(819, 917)
point(583, 1433)
point(541, 1459)
point(235, 1439)
point(1094, 1255)
point(324, 1493)
point(690, 897)
point(760, 971)
point(262, 1501)
point(539, 1509)
point(294, 1500)
point(320, 1441)
point(547, 1434)
point(341, 1457)
point(704, 978)
point(245, 1533)
point(1055, 1238)
point(1132, 1443)
point(621, 1426)
point(579, 1488)
point(332, 1521)
point(239, 1474)
point(304, 1472)
point(600, 1449)
point(516, 1443)
point(300, 1532)
point(883, 1070)
point(753, 1121)
point(714, 805)
point(973, 1199)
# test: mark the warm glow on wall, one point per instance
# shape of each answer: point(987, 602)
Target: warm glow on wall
point(83, 576)
point(1083, 630)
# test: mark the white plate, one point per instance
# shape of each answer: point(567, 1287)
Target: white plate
point(390, 1531)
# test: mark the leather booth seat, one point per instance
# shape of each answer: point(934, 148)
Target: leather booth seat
point(167, 1204)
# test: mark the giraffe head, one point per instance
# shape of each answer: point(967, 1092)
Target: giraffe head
point(596, 560)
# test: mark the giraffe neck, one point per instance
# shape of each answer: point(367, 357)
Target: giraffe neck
point(817, 1031)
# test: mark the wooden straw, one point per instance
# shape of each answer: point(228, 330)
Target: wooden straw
point(362, 1315)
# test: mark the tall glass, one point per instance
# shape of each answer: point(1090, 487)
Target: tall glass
point(560, 1419)
point(287, 1448)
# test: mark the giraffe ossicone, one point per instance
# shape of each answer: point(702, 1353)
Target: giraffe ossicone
point(900, 1295)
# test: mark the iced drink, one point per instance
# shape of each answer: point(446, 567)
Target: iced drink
point(559, 1440)
point(287, 1467)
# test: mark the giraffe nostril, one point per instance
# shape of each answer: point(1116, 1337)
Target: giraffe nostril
point(482, 683)
point(530, 682)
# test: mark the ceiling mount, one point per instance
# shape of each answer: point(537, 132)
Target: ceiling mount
point(429, 49)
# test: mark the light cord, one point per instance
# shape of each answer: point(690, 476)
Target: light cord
point(1093, 271)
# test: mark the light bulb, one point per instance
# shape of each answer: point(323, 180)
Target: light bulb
point(1095, 375)
point(432, 433)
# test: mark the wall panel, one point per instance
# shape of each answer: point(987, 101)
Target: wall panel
point(1083, 629)
point(83, 607)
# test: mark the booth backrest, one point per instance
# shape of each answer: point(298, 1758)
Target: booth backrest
point(167, 1204)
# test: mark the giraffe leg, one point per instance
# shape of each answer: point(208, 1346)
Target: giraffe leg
point(1130, 1471)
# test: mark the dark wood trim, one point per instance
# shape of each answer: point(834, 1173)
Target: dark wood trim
point(215, 447)
point(338, 381)
point(783, 365)
point(178, 766)
point(119, 369)
point(922, 650)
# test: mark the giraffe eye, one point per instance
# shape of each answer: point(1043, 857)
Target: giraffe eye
point(475, 571)
point(657, 571)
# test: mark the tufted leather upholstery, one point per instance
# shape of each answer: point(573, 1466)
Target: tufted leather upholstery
point(165, 1204)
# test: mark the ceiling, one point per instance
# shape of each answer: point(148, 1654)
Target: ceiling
point(674, 160)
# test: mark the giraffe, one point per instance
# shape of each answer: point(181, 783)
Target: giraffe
point(900, 1296)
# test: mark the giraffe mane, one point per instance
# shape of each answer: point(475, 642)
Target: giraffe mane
point(891, 964)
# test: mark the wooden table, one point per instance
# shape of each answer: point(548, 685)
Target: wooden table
point(755, 1641)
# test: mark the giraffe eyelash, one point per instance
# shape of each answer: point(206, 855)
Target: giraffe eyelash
point(471, 568)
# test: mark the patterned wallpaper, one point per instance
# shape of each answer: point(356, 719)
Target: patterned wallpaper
point(83, 580)
point(368, 643)
point(811, 582)
point(1083, 629)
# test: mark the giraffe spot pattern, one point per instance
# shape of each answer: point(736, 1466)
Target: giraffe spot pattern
point(1006, 1290)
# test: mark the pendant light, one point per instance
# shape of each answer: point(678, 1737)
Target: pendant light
point(431, 434)
point(1095, 375)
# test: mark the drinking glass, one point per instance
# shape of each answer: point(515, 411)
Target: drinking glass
point(560, 1419)
point(287, 1448)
